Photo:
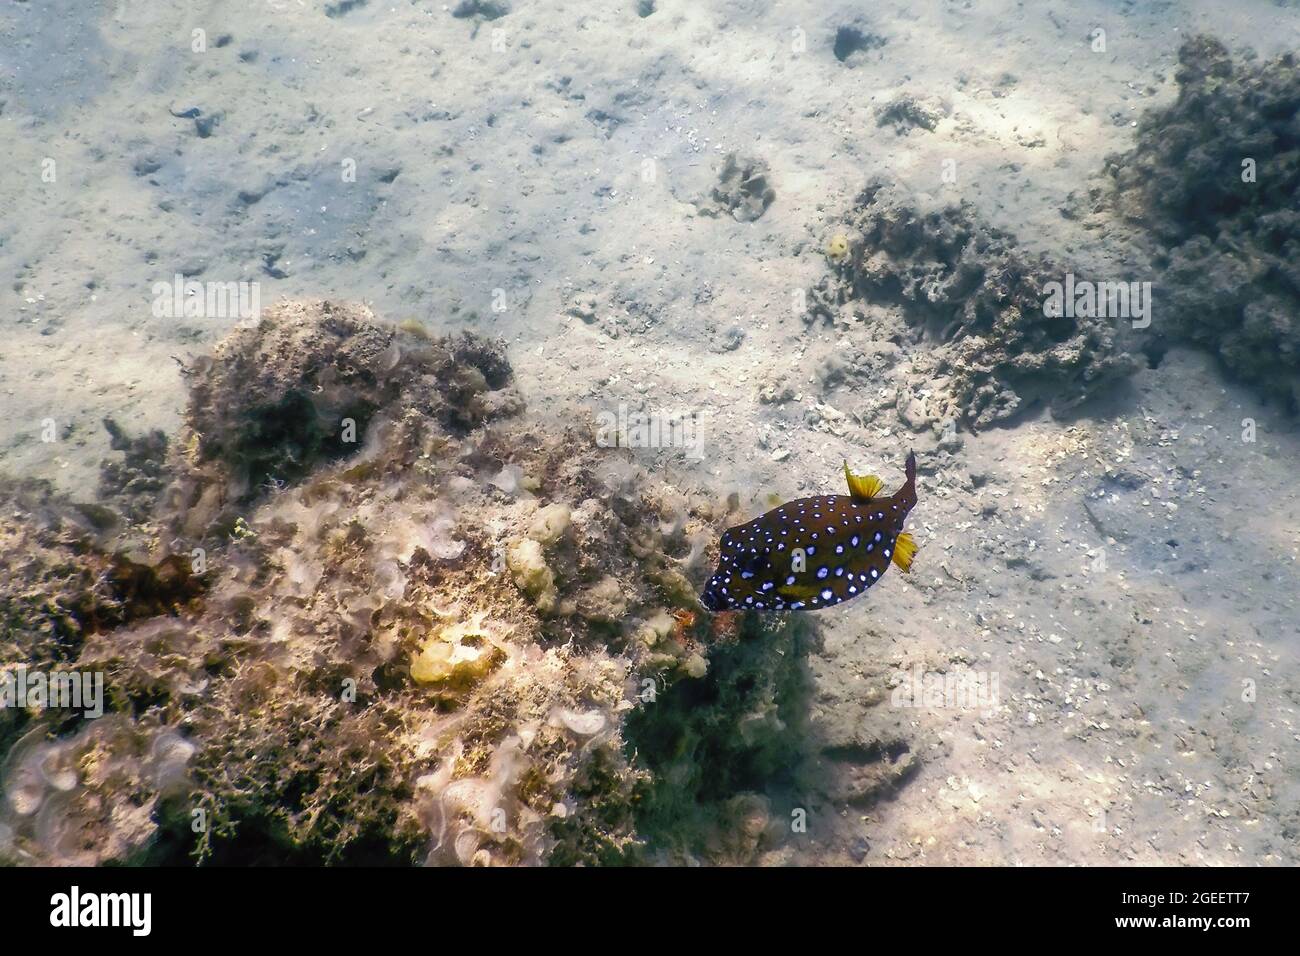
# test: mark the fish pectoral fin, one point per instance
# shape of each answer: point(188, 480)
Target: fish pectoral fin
point(863, 487)
point(800, 591)
point(904, 551)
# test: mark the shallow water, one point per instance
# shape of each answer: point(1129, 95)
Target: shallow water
point(655, 211)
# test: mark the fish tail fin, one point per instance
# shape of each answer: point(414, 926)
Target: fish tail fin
point(904, 551)
point(907, 493)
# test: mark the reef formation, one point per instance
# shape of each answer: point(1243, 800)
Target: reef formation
point(976, 300)
point(1208, 199)
point(376, 612)
point(1214, 178)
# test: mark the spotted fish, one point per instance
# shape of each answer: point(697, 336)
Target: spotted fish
point(813, 553)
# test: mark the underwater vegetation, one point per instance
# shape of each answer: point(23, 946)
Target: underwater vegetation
point(378, 613)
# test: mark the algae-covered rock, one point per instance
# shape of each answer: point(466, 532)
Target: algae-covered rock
point(461, 653)
point(64, 580)
point(1214, 177)
point(93, 797)
point(695, 666)
point(528, 565)
point(603, 602)
point(380, 655)
point(551, 524)
point(977, 301)
point(655, 627)
point(312, 383)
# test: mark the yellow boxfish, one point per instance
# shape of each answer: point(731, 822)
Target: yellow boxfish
point(813, 553)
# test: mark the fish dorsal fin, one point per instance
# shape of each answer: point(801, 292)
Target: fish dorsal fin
point(904, 549)
point(863, 487)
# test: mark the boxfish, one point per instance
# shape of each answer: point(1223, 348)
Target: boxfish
point(814, 553)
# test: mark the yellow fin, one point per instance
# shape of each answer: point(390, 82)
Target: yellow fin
point(862, 487)
point(904, 549)
point(800, 591)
